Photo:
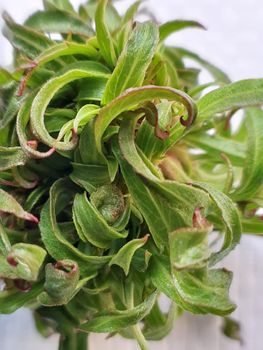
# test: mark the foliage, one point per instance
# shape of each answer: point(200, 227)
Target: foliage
point(119, 173)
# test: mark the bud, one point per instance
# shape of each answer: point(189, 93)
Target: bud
point(26, 260)
point(109, 201)
point(61, 283)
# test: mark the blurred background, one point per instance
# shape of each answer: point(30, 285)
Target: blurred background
point(233, 41)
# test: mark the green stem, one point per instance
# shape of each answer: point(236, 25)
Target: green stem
point(136, 330)
point(138, 335)
point(73, 341)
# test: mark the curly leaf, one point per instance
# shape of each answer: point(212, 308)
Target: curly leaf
point(134, 97)
point(231, 219)
point(164, 327)
point(26, 260)
point(55, 242)
point(119, 319)
point(151, 197)
point(92, 225)
point(44, 96)
point(66, 48)
point(60, 284)
point(203, 293)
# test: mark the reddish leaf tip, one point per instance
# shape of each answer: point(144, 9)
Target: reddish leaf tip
point(11, 261)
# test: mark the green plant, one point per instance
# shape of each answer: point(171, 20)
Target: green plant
point(114, 172)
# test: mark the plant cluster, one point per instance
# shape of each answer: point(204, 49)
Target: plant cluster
point(121, 178)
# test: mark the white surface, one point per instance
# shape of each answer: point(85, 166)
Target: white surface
point(234, 42)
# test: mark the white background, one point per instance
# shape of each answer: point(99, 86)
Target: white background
point(233, 42)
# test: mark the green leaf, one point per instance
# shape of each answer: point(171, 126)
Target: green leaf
point(11, 300)
point(9, 105)
point(252, 177)
point(5, 245)
point(162, 329)
point(58, 22)
point(11, 157)
point(44, 96)
point(169, 28)
point(132, 98)
point(104, 37)
point(55, 242)
point(5, 77)
point(216, 145)
point(124, 256)
point(230, 217)
point(133, 62)
point(130, 12)
point(241, 94)
point(196, 292)
point(92, 225)
point(119, 319)
point(215, 72)
point(85, 114)
point(164, 205)
point(90, 177)
point(92, 89)
point(60, 284)
point(8, 204)
point(64, 5)
point(66, 48)
point(189, 248)
point(28, 260)
point(25, 39)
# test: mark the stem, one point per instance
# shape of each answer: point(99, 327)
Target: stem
point(136, 330)
point(73, 341)
point(138, 335)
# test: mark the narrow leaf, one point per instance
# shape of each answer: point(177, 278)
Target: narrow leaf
point(133, 62)
point(169, 28)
